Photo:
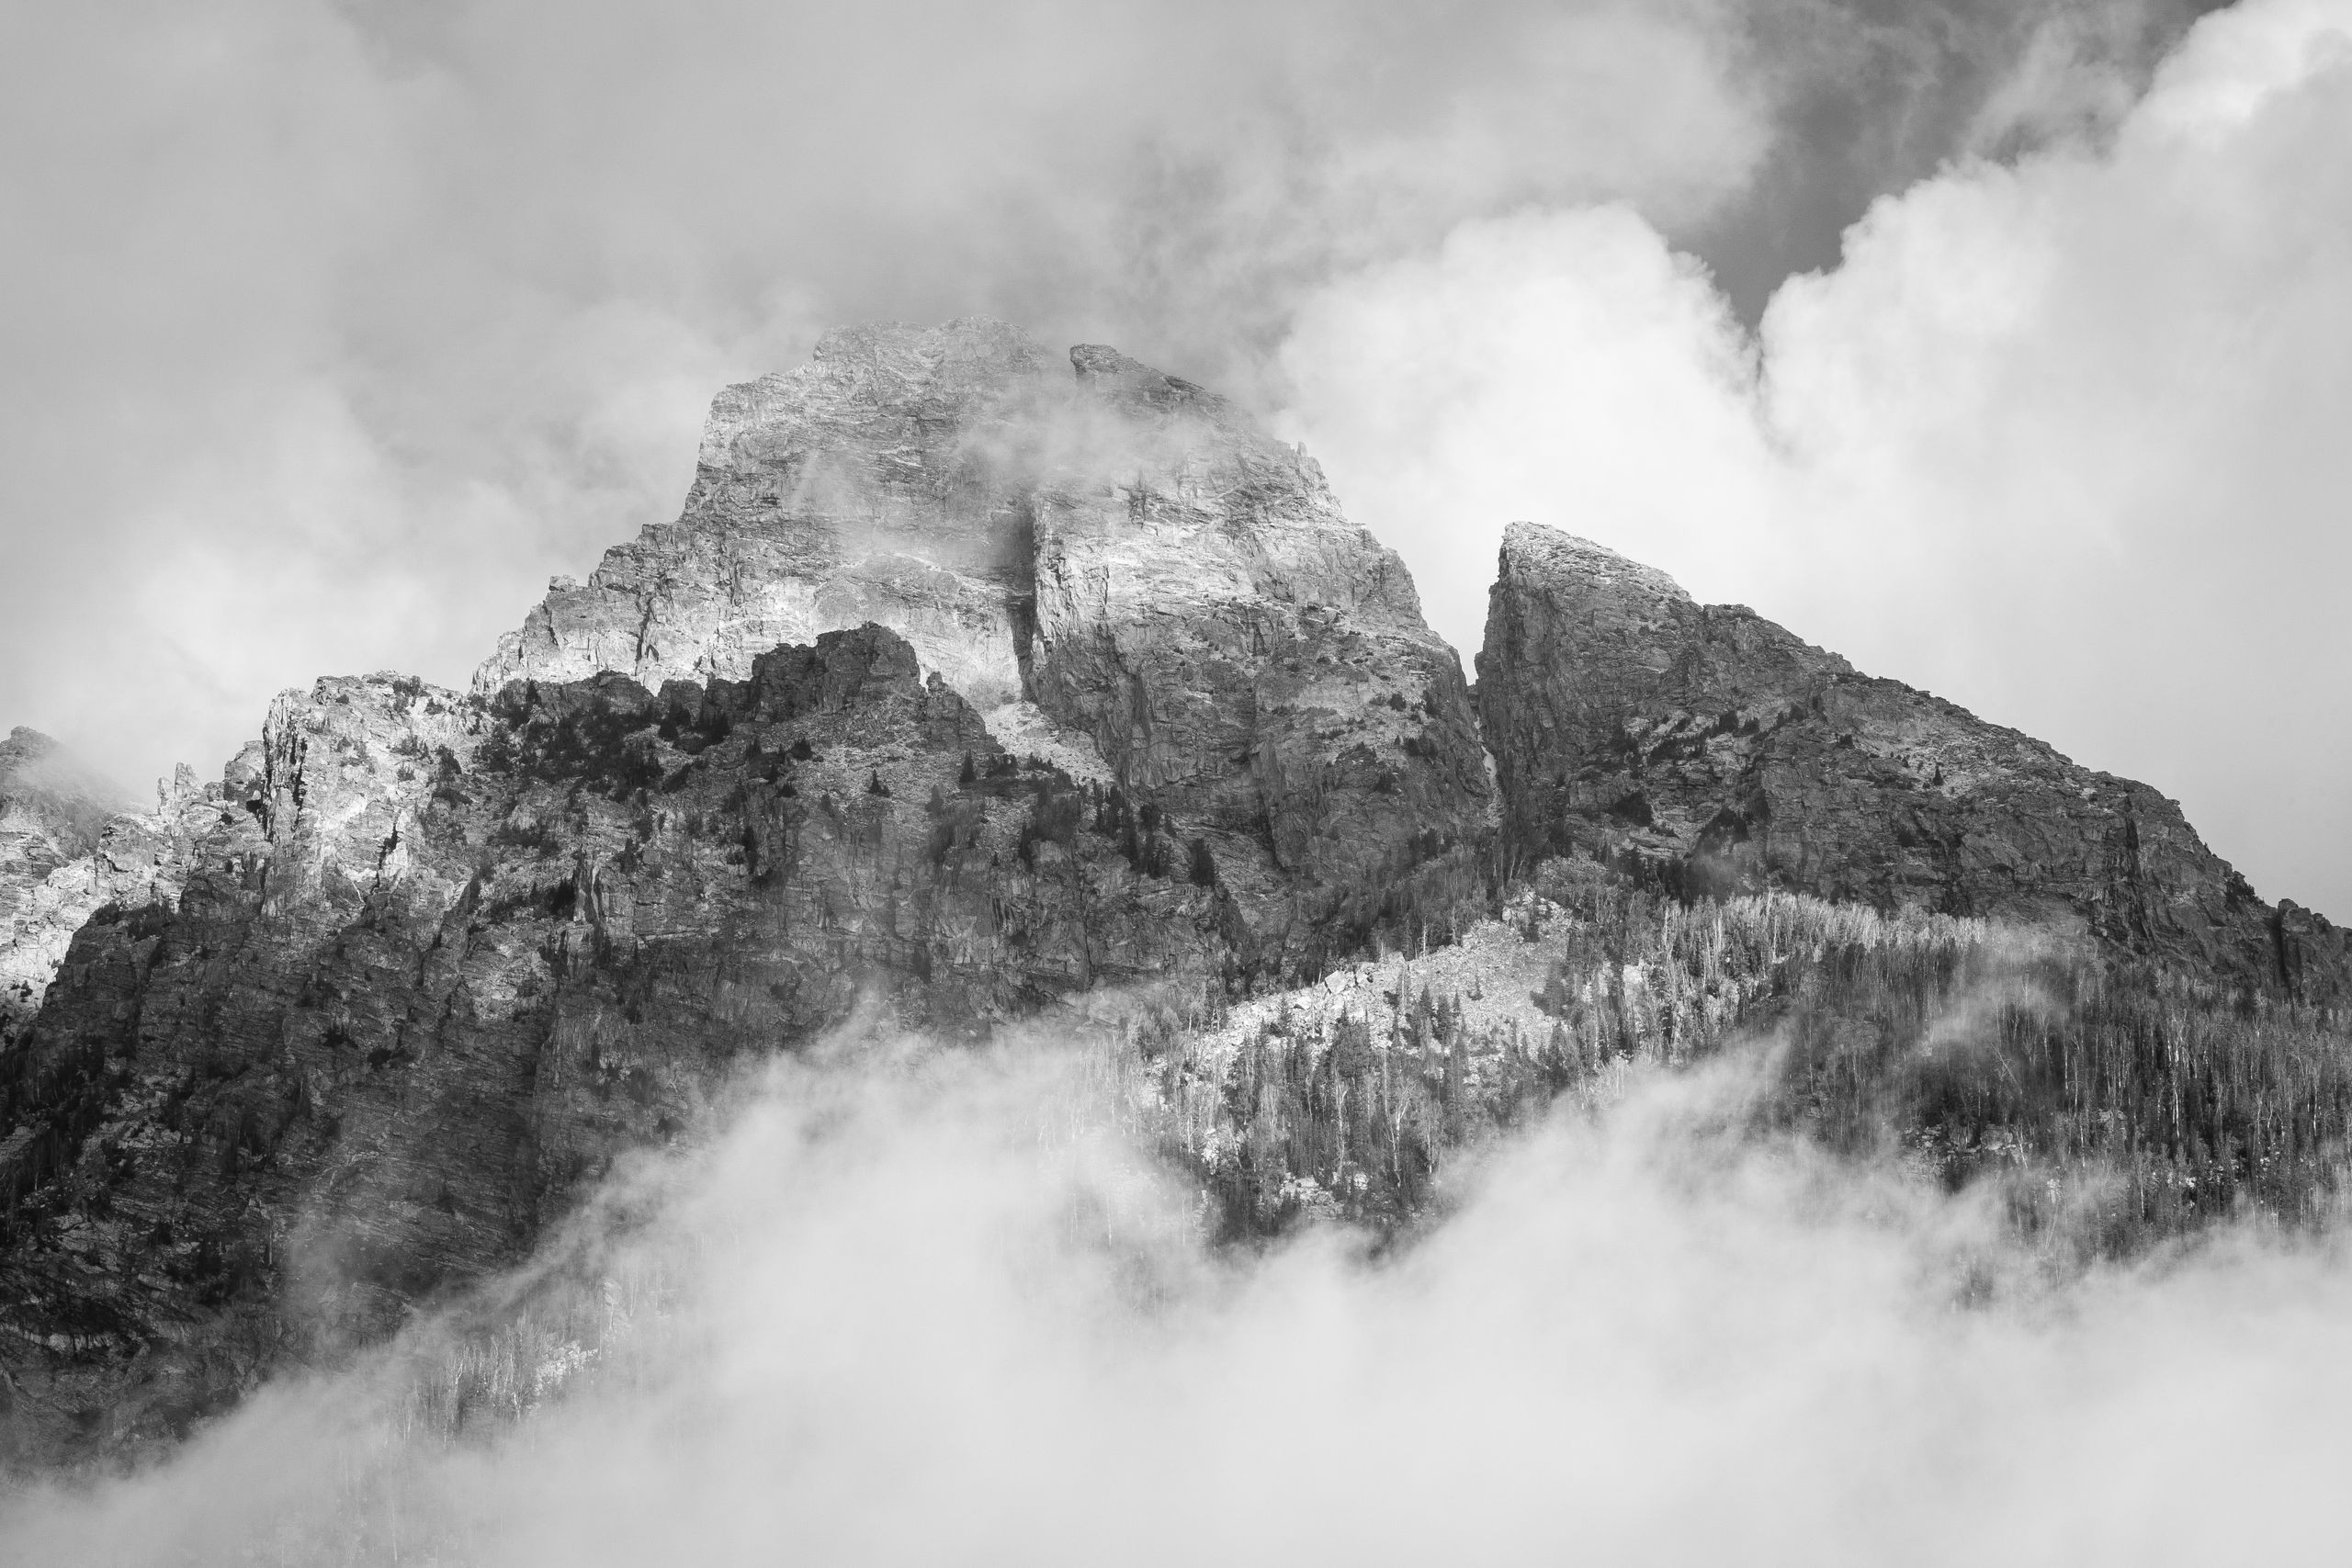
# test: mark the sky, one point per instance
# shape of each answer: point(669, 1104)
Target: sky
point(2001, 346)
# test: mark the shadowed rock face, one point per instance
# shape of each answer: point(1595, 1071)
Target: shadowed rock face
point(1089, 550)
point(441, 958)
point(1239, 652)
point(1705, 748)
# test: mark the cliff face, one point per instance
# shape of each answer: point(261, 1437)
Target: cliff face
point(1704, 747)
point(1110, 561)
point(442, 958)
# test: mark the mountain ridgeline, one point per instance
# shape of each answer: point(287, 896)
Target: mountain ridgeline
point(975, 683)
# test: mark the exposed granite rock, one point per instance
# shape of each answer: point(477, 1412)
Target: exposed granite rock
point(1121, 554)
point(1707, 748)
point(69, 845)
point(441, 958)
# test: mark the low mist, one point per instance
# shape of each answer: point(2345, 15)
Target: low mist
point(912, 1305)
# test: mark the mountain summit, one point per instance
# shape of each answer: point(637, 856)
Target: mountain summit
point(1115, 565)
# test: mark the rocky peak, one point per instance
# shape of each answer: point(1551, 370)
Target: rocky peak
point(877, 483)
point(1706, 749)
point(1589, 573)
point(1107, 560)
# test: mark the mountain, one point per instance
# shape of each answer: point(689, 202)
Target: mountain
point(972, 685)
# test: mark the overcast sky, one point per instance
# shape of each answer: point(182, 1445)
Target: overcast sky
point(2003, 346)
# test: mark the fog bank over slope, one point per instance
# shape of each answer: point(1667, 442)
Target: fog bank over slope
point(910, 1306)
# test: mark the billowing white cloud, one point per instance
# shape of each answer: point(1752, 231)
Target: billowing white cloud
point(2060, 440)
point(1560, 366)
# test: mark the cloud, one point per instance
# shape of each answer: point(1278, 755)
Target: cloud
point(916, 1306)
point(2057, 439)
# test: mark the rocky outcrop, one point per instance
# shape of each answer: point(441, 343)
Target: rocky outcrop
point(70, 846)
point(442, 958)
point(1094, 552)
point(1706, 749)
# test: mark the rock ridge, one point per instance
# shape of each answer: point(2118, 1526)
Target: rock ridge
point(1709, 751)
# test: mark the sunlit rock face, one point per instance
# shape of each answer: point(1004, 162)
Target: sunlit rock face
point(71, 844)
point(1086, 542)
point(1709, 750)
point(883, 481)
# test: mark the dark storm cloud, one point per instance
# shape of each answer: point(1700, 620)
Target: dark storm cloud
point(1890, 90)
